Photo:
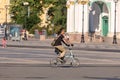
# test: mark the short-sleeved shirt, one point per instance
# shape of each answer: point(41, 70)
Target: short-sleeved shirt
point(59, 40)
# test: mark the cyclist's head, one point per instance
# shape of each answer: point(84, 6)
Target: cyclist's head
point(61, 31)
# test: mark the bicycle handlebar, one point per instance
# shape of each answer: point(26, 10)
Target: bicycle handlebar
point(70, 46)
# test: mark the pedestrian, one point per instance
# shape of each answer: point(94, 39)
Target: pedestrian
point(25, 35)
point(4, 42)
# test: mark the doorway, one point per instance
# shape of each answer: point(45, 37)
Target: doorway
point(105, 26)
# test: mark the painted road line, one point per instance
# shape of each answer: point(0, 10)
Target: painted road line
point(19, 60)
point(100, 60)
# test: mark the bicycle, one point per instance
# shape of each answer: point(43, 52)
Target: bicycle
point(69, 58)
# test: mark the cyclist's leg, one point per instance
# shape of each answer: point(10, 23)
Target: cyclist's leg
point(62, 49)
point(57, 51)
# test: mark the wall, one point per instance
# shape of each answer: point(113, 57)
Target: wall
point(3, 3)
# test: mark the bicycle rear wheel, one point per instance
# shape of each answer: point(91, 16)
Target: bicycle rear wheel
point(55, 62)
point(75, 62)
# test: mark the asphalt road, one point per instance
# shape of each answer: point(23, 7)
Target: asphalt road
point(33, 64)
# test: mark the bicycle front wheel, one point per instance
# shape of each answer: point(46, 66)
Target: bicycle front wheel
point(75, 62)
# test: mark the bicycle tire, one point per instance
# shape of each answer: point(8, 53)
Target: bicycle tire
point(75, 62)
point(53, 62)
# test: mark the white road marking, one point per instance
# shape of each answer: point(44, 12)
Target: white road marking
point(100, 60)
point(17, 60)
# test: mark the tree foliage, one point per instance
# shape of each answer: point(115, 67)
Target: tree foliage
point(56, 14)
point(20, 12)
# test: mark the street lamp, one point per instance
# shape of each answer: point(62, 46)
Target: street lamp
point(114, 36)
point(83, 2)
point(26, 5)
point(6, 9)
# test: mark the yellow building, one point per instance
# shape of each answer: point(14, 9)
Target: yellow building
point(4, 11)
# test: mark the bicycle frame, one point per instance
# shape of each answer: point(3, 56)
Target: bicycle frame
point(69, 58)
point(70, 55)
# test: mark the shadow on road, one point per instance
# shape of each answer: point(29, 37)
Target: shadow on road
point(36, 77)
point(103, 50)
point(102, 78)
point(61, 66)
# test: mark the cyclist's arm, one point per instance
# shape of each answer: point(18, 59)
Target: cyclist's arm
point(66, 41)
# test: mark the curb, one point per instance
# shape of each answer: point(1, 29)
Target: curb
point(26, 46)
point(88, 47)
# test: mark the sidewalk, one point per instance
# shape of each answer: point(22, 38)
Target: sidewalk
point(34, 43)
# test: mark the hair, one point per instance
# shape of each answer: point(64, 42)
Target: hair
point(60, 30)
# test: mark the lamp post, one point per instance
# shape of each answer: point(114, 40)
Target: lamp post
point(6, 8)
point(6, 15)
point(83, 2)
point(26, 5)
point(114, 36)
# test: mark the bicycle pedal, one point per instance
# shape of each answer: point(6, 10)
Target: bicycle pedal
point(55, 63)
point(73, 55)
point(58, 58)
point(63, 61)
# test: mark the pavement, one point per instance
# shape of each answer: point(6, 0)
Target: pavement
point(42, 56)
point(99, 61)
point(35, 43)
point(33, 64)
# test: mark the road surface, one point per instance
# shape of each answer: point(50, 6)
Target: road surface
point(33, 64)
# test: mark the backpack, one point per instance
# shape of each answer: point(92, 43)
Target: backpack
point(54, 40)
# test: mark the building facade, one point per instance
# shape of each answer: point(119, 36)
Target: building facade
point(4, 11)
point(99, 17)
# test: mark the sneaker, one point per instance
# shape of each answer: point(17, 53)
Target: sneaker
point(64, 61)
point(59, 59)
point(55, 63)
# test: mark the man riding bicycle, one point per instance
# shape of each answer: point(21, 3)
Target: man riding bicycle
point(58, 43)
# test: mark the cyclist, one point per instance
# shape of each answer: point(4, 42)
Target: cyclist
point(58, 43)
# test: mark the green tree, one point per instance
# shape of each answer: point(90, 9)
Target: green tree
point(57, 13)
point(20, 12)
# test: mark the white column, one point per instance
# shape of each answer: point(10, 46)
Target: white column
point(86, 18)
point(68, 20)
point(76, 17)
point(79, 18)
point(72, 26)
point(68, 16)
point(112, 17)
point(118, 17)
